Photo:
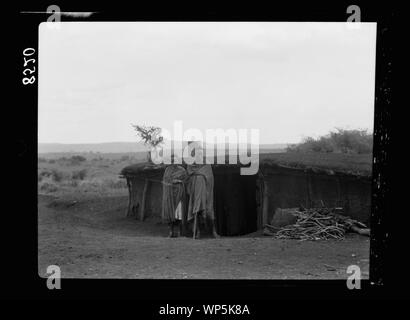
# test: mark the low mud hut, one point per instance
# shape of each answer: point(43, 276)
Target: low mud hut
point(244, 204)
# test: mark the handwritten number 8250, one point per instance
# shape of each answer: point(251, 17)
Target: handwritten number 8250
point(27, 53)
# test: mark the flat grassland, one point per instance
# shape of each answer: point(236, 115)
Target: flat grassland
point(83, 228)
point(65, 174)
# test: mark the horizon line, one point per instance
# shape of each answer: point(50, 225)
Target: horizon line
point(138, 142)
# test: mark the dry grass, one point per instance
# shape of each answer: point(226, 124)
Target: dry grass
point(62, 174)
point(358, 164)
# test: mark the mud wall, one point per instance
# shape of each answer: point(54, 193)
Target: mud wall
point(234, 200)
point(238, 198)
point(153, 196)
point(289, 188)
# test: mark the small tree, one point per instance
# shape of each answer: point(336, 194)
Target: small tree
point(150, 135)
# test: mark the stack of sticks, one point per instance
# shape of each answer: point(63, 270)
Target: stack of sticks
point(319, 224)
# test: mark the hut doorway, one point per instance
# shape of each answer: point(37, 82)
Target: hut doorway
point(235, 202)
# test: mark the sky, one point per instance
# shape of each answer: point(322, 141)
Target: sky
point(288, 80)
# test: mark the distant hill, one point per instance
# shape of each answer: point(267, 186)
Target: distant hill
point(124, 147)
point(106, 147)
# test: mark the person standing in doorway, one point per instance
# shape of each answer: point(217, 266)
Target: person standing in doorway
point(173, 197)
point(200, 193)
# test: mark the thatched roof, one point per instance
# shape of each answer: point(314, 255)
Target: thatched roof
point(348, 164)
point(325, 163)
point(143, 168)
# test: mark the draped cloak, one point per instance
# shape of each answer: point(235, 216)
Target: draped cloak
point(200, 190)
point(173, 191)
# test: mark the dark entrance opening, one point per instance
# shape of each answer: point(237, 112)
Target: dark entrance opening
point(234, 201)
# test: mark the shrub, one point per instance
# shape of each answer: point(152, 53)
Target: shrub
point(92, 185)
point(48, 187)
point(115, 184)
point(44, 173)
point(73, 183)
point(79, 175)
point(353, 141)
point(78, 158)
point(57, 175)
point(340, 141)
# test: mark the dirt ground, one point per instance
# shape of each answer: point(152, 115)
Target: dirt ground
point(90, 237)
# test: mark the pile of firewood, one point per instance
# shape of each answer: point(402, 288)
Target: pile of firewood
point(318, 224)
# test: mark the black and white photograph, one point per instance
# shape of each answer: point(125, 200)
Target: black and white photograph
point(214, 153)
point(263, 149)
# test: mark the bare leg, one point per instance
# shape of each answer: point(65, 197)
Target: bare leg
point(181, 229)
point(171, 230)
point(214, 233)
point(195, 225)
point(178, 225)
point(198, 232)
